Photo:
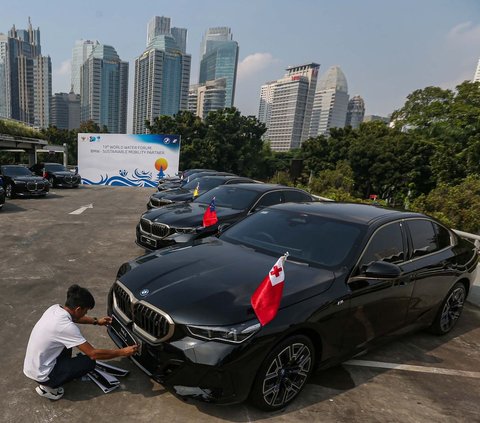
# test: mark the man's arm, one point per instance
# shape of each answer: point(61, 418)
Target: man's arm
point(100, 354)
point(87, 320)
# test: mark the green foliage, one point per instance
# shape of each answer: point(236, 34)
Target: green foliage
point(456, 206)
point(11, 127)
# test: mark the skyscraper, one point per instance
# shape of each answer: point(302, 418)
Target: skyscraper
point(162, 74)
point(286, 107)
point(80, 53)
point(25, 77)
point(476, 77)
point(355, 112)
point(65, 110)
point(104, 89)
point(219, 59)
point(205, 98)
point(330, 104)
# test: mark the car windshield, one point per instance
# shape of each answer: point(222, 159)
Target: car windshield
point(307, 238)
point(13, 171)
point(229, 196)
point(55, 167)
point(204, 184)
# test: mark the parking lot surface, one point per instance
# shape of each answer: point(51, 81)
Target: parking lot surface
point(45, 248)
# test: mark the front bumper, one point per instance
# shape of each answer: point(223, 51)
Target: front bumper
point(151, 242)
point(208, 370)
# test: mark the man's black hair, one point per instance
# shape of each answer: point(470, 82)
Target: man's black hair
point(79, 297)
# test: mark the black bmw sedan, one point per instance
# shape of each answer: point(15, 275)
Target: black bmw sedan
point(187, 192)
point(18, 180)
point(355, 274)
point(57, 174)
point(180, 223)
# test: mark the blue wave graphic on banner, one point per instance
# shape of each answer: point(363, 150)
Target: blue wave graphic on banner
point(141, 178)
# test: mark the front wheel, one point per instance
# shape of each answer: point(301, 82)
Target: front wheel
point(283, 374)
point(9, 191)
point(51, 181)
point(450, 310)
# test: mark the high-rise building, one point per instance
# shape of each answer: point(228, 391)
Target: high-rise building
point(205, 98)
point(476, 77)
point(286, 107)
point(219, 59)
point(162, 74)
point(25, 77)
point(65, 110)
point(331, 102)
point(104, 89)
point(355, 112)
point(80, 53)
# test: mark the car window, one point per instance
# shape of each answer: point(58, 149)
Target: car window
point(424, 238)
point(443, 236)
point(54, 167)
point(270, 199)
point(296, 196)
point(13, 171)
point(386, 244)
point(231, 196)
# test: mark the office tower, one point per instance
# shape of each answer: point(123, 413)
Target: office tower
point(65, 110)
point(355, 112)
point(219, 59)
point(204, 98)
point(286, 106)
point(162, 75)
point(80, 53)
point(476, 77)
point(25, 77)
point(104, 89)
point(331, 102)
point(180, 35)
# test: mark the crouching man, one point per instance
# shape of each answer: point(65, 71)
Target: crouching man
point(49, 360)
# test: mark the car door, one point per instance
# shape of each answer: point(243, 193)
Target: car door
point(432, 262)
point(379, 306)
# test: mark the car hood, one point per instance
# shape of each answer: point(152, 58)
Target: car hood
point(211, 283)
point(173, 191)
point(189, 214)
point(28, 178)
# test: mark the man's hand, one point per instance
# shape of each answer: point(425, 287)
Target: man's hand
point(130, 350)
point(105, 321)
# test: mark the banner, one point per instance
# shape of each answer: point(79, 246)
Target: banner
point(139, 160)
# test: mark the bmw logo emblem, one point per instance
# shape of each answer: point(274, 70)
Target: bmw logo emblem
point(144, 292)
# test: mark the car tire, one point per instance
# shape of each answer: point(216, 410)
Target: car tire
point(9, 191)
point(51, 181)
point(283, 373)
point(450, 310)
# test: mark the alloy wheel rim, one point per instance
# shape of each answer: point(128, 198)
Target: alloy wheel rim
point(287, 374)
point(8, 191)
point(452, 309)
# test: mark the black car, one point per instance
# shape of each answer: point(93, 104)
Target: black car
point(2, 195)
point(186, 193)
point(18, 180)
point(355, 275)
point(183, 175)
point(57, 174)
point(180, 183)
point(180, 223)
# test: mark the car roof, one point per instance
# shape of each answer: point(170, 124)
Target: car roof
point(226, 177)
point(252, 186)
point(352, 212)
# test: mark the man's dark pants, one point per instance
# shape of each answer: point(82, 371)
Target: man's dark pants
point(68, 368)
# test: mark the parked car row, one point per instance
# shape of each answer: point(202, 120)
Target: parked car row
point(355, 275)
point(18, 180)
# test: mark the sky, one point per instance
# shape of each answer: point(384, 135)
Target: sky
point(386, 49)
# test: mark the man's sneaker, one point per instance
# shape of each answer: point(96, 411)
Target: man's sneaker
point(50, 393)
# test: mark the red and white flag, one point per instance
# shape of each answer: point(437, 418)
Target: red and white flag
point(210, 215)
point(266, 298)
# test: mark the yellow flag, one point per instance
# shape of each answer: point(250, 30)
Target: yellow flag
point(195, 192)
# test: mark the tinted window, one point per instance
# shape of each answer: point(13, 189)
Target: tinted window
point(16, 171)
point(55, 167)
point(230, 196)
point(309, 238)
point(204, 184)
point(443, 236)
point(386, 244)
point(270, 199)
point(424, 238)
point(296, 197)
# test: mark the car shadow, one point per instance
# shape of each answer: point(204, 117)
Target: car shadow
point(324, 385)
point(10, 207)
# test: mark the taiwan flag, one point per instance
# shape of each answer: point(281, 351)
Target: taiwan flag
point(266, 298)
point(210, 215)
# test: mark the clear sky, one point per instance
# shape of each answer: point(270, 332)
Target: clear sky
point(386, 48)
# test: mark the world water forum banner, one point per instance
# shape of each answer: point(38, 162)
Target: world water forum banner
point(127, 160)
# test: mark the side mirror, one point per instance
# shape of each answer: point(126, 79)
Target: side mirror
point(383, 269)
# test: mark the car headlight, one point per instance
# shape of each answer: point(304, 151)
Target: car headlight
point(186, 230)
point(235, 334)
point(17, 182)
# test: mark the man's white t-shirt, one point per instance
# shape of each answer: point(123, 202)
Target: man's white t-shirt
point(53, 332)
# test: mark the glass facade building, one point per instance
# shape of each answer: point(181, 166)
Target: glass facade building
point(355, 112)
point(80, 53)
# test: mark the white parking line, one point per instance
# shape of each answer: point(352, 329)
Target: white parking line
point(82, 209)
point(409, 368)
